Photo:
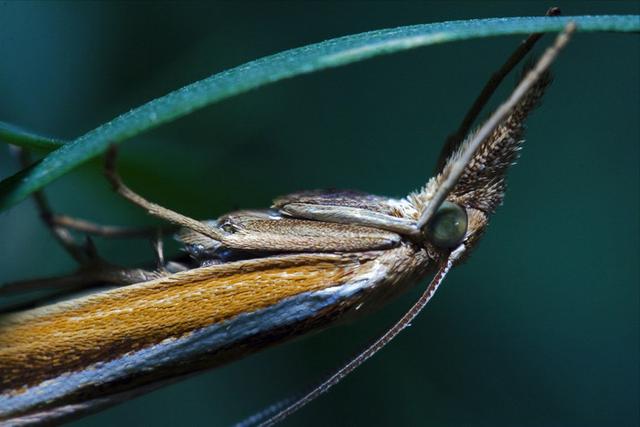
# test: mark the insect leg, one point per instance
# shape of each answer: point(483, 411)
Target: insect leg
point(93, 269)
point(153, 208)
point(84, 278)
point(110, 231)
point(60, 225)
point(82, 253)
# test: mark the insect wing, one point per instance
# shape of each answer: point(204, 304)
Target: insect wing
point(82, 350)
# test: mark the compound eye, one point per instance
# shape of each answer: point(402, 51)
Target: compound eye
point(448, 226)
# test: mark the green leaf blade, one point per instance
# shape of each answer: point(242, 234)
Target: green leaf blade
point(287, 64)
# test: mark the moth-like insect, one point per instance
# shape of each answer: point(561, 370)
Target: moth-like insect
point(255, 278)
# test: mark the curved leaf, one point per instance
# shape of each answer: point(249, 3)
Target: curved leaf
point(307, 59)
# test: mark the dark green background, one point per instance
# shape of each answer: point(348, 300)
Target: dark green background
point(538, 328)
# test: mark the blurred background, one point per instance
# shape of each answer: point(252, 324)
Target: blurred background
point(540, 327)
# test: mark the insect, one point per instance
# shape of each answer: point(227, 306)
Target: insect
point(254, 278)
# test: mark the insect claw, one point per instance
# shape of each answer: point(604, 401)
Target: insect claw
point(156, 242)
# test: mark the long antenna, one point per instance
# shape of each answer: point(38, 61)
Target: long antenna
point(457, 168)
point(283, 409)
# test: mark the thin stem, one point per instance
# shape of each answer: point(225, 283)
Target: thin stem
point(23, 138)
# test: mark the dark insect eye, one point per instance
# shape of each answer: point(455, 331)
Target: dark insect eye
point(448, 226)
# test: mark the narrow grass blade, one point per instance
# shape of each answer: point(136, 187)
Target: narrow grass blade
point(17, 136)
point(290, 63)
